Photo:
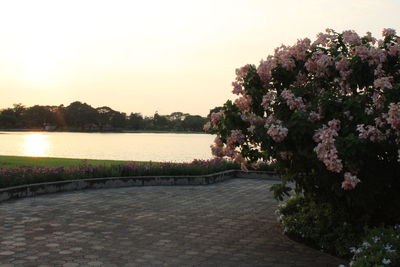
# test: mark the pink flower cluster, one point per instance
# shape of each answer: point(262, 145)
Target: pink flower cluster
point(394, 49)
point(268, 99)
point(388, 32)
point(216, 117)
point(319, 64)
point(294, 103)
point(244, 103)
point(378, 100)
point(314, 116)
point(277, 132)
point(218, 148)
point(382, 83)
point(350, 181)
point(326, 149)
point(370, 132)
point(325, 39)
point(253, 119)
point(241, 74)
point(236, 137)
point(343, 66)
point(328, 72)
point(265, 68)
point(372, 55)
point(393, 116)
point(351, 37)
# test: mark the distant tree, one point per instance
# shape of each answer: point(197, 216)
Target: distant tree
point(37, 116)
point(81, 115)
point(160, 122)
point(136, 121)
point(118, 120)
point(8, 119)
point(194, 123)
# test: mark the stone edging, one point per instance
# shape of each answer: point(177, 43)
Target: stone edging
point(114, 182)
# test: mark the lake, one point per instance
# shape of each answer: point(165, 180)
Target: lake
point(115, 146)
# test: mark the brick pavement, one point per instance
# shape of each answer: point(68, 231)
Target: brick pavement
point(226, 224)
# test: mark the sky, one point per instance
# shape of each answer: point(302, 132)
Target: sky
point(157, 55)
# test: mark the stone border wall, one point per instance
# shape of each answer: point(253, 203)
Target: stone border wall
point(114, 182)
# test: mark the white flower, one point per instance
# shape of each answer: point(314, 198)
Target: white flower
point(376, 238)
point(386, 261)
point(366, 244)
point(388, 248)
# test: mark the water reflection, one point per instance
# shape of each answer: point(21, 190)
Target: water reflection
point(117, 146)
point(35, 145)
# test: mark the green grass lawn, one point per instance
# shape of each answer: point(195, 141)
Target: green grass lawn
point(15, 162)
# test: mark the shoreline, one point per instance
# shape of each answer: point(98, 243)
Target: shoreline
point(115, 131)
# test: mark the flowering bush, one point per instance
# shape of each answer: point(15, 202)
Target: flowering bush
point(29, 175)
point(328, 113)
point(380, 248)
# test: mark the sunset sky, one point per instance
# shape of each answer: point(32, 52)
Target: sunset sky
point(157, 55)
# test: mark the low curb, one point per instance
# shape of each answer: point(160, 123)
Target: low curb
point(31, 190)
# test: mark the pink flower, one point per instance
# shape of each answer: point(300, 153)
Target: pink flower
point(284, 57)
point(299, 51)
point(218, 142)
point(294, 103)
point(370, 132)
point(244, 103)
point(378, 100)
point(372, 55)
point(314, 116)
point(343, 67)
point(351, 37)
point(277, 132)
point(388, 32)
point(236, 137)
point(326, 150)
point(268, 99)
point(265, 68)
point(379, 72)
point(217, 151)
point(242, 72)
point(350, 181)
point(215, 117)
point(301, 79)
point(237, 88)
point(382, 83)
point(319, 64)
point(369, 38)
point(394, 50)
point(393, 116)
point(325, 39)
point(252, 119)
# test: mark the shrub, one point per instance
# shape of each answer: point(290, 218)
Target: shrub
point(380, 248)
point(328, 114)
point(319, 225)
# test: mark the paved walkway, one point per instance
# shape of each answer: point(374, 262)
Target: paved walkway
point(226, 224)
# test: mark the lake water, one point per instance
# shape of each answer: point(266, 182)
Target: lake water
point(118, 146)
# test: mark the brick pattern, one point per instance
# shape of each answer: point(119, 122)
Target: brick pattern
point(226, 224)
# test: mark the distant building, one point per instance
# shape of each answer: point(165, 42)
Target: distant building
point(49, 127)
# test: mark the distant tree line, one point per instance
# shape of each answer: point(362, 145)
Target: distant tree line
point(80, 116)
